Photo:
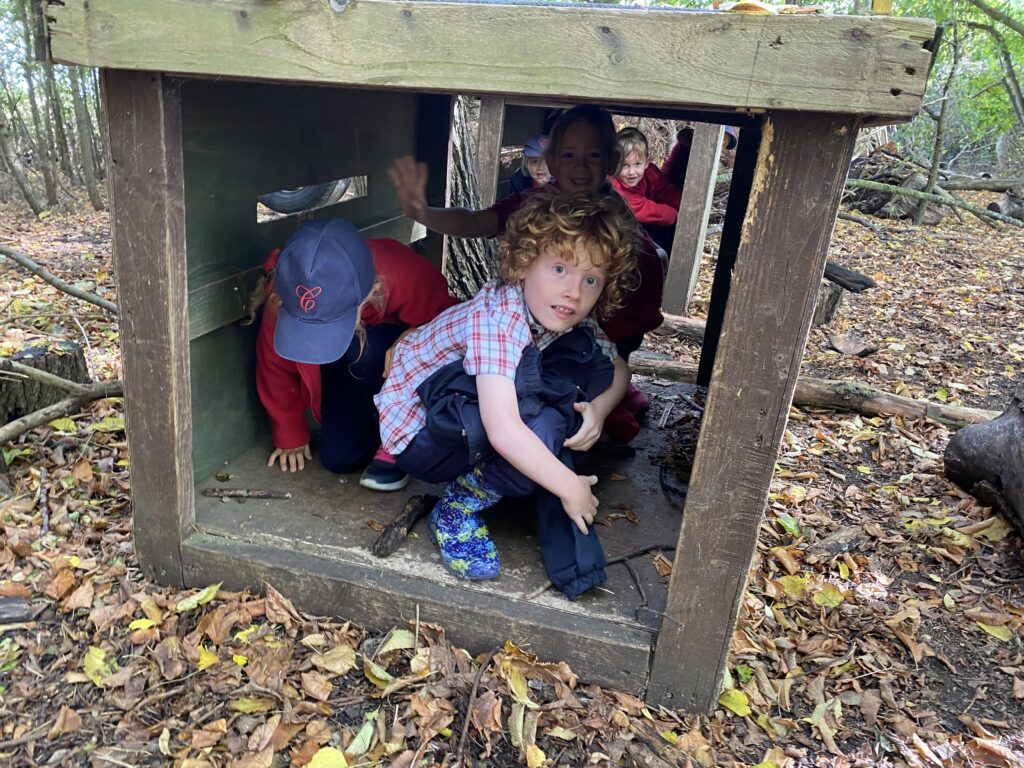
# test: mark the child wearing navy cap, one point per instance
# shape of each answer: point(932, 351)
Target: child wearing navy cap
point(336, 303)
point(533, 172)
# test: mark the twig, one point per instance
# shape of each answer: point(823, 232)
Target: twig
point(398, 529)
point(469, 704)
point(32, 735)
point(864, 223)
point(88, 346)
point(45, 377)
point(639, 587)
point(55, 281)
point(87, 394)
point(244, 493)
point(44, 503)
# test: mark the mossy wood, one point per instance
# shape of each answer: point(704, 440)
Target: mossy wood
point(210, 103)
point(866, 65)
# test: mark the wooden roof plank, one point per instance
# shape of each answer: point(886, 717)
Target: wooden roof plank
point(862, 65)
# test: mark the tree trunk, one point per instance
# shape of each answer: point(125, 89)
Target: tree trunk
point(940, 129)
point(838, 395)
point(44, 141)
point(85, 141)
point(995, 13)
point(470, 262)
point(20, 396)
point(60, 133)
point(10, 157)
point(987, 461)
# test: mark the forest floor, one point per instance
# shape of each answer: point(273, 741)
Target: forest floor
point(882, 623)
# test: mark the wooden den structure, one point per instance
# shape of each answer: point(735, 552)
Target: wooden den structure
point(210, 103)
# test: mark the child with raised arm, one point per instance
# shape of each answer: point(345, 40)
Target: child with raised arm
point(335, 304)
point(484, 398)
point(652, 198)
point(581, 155)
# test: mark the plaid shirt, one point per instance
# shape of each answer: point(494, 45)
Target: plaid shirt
point(488, 333)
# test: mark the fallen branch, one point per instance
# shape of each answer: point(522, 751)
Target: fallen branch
point(680, 325)
point(981, 213)
point(864, 223)
point(987, 185)
point(56, 282)
point(87, 394)
point(244, 493)
point(398, 529)
point(838, 395)
point(848, 279)
point(44, 377)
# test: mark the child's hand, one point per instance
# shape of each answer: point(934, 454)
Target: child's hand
point(410, 181)
point(292, 459)
point(581, 505)
point(589, 430)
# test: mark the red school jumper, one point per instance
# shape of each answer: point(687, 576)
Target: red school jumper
point(654, 200)
point(415, 292)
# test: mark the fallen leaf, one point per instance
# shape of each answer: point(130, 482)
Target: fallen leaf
point(328, 757)
point(735, 701)
point(338, 661)
point(67, 721)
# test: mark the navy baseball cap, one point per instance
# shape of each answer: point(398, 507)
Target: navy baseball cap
point(323, 274)
point(536, 146)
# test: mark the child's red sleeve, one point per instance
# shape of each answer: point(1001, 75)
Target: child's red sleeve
point(660, 189)
point(280, 388)
point(416, 290)
point(647, 211)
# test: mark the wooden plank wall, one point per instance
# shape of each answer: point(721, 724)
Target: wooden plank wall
point(801, 167)
point(143, 114)
point(839, 64)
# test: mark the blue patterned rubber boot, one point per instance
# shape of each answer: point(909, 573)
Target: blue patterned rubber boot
point(459, 532)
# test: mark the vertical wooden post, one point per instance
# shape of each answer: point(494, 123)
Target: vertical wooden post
point(488, 147)
point(801, 168)
point(434, 113)
point(692, 223)
point(144, 162)
point(728, 244)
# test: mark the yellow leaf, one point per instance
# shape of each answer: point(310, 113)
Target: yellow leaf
point(828, 596)
point(517, 686)
point(142, 624)
point(844, 571)
point(535, 756)
point(670, 737)
point(397, 640)
point(65, 426)
point(328, 757)
point(948, 601)
point(97, 666)
point(767, 764)
point(364, 738)
point(243, 635)
point(564, 734)
point(239, 659)
point(376, 674)
point(794, 586)
point(201, 597)
point(997, 531)
point(1000, 633)
point(251, 705)
point(864, 470)
point(339, 660)
point(74, 561)
point(207, 658)
point(735, 701)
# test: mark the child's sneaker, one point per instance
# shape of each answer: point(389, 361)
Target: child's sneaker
point(384, 476)
point(461, 535)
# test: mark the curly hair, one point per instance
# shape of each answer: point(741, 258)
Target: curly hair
point(602, 223)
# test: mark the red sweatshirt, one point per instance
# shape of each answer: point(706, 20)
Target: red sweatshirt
point(415, 293)
point(654, 200)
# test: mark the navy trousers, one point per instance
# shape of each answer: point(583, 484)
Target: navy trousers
point(351, 426)
point(574, 561)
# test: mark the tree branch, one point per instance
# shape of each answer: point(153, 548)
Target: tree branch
point(43, 377)
point(946, 200)
point(89, 392)
point(56, 282)
point(998, 15)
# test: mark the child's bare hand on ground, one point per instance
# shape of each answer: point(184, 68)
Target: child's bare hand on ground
point(410, 181)
point(589, 431)
point(581, 504)
point(292, 459)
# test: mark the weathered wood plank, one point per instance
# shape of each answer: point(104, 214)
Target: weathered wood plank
point(843, 64)
point(488, 146)
point(795, 194)
point(600, 651)
point(148, 225)
point(692, 223)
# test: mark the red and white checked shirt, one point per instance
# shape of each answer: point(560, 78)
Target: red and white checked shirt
point(489, 333)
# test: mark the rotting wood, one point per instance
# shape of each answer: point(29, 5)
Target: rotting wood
point(861, 65)
point(987, 461)
point(148, 227)
point(784, 241)
point(37, 376)
point(14, 609)
point(397, 530)
point(850, 396)
point(490, 126)
point(87, 394)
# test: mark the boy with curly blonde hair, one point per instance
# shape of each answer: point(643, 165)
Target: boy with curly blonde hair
point(494, 395)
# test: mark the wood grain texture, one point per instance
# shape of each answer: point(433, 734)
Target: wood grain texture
point(692, 223)
point(488, 147)
point(795, 193)
point(143, 112)
point(599, 651)
point(844, 64)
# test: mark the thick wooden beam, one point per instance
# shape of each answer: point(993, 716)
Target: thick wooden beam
point(488, 147)
point(801, 167)
point(692, 223)
point(143, 113)
point(842, 64)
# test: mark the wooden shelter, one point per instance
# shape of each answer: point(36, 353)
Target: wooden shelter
point(210, 103)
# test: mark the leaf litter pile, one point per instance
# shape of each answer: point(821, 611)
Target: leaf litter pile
point(881, 625)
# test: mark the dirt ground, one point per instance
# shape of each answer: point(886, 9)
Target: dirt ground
point(881, 624)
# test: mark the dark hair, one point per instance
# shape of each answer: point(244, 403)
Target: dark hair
point(601, 222)
point(598, 117)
